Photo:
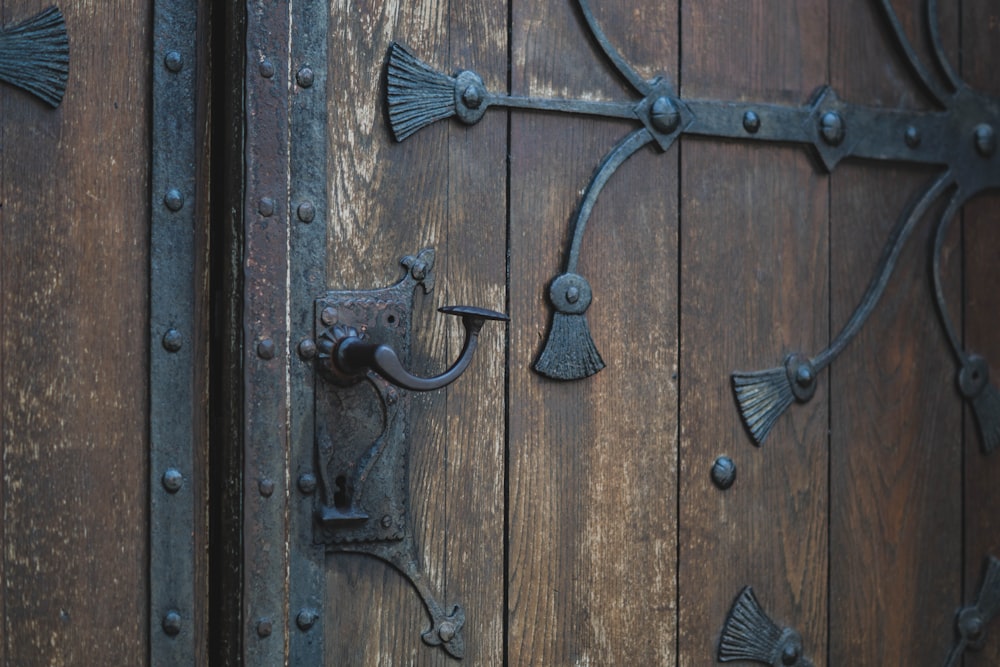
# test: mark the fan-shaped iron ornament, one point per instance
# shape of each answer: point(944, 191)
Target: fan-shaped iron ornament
point(959, 138)
point(750, 634)
point(34, 55)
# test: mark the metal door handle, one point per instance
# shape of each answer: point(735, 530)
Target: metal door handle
point(346, 356)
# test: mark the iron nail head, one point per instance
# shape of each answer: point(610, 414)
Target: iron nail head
point(173, 199)
point(723, 472)
point(305, 77)
point(266, 207)
point(751, 122)
point(173, 61)
point(305, 619)
point(172, 480)
point(266, 68)
point(985, 139)
point(172, 623)
point(172, 340)
point(266, 487)
point(307, 483)
point(329, 316)
point(306, 212)
point(831, 128)
point(307, 348)
point(265, 348)
point(912, 136)
point(264, 627)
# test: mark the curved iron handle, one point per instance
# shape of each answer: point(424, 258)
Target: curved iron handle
point(352, 356)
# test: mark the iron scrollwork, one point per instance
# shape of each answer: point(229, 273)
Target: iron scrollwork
point(959, 138)
point(362, 427)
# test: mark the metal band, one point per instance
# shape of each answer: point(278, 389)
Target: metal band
point(173, 616)
point(266, 214)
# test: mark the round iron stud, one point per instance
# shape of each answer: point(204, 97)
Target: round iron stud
point(986, 140)
point(664, 115)
point(266, 207)
point(307, 483)
point(173, 199)
point(306, 212)
point(305, 619)
point(172, 340)
point(265, 348)
point(307, 348)
point(912, 137)
point(266, 68)
point(264, 627)
point(329, 316)
point(447, 631)
point(831, 128)
point(266, 487)
point(472, 96)
point(305, 77)
point(173, 61)
point(172, 480)
point(172, 623)
point(723, 472)
point(751, 122)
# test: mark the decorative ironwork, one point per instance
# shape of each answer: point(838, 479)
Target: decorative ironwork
point(960, 138)
point(362, 427)
point(750, 634)
point(34, 55)
point(971, 621)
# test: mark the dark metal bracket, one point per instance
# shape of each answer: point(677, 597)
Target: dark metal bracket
point(362, 427)
point(959, 138)
point(750, 634)
point(971, 621)
point(34, 55)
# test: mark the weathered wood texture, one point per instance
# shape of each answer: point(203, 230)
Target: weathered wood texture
point(74, 349)
point(754, 288)
point(980, 55)
point(895, 418)
point(593, 463)
point(444, 187)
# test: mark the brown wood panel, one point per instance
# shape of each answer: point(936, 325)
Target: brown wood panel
point(592, 510)
point(74, 348)
point(895, 419)
point(754, 288)
point(980, 55)
point(443, 187)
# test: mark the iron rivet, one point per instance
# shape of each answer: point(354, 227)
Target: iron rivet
point(664, 115)
point(804, 375)
point(173, 61)
point(419, 270)
point(307, 348)
point(306, 619)
point(172, 340)
point(306, 211)
point(573, 294)
point(172, 480)
point(265, 348)
point(305, 77)
point(173, 199)
point(266, 207)
point(172, 623)
point(386, 521)
point(266, 68)
point(751, 122)
point(472, 97)
point(266, 487)
point(447, 631)
point(329, 316)
point(986, 140)
point(831, 127)
point(264, 627)
point(307, 483)
point(912, 137)
point(790, 654)
point(723, 472)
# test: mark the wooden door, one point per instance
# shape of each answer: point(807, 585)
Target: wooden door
point(577, 522)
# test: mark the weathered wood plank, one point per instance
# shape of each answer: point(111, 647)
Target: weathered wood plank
point(754, 288)
point(592, 512)
point(444, 187)
point(895, 420)
point(981, 53)
point(74, 262)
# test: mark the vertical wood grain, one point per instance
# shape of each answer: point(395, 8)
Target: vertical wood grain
point(592, 512)
point(443, 187)
point(74, 264)
point(980, 55)
point(895, 419)
point(754, 288)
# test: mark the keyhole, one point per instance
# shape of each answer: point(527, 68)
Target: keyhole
point(391, 319)
point(340, 495)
